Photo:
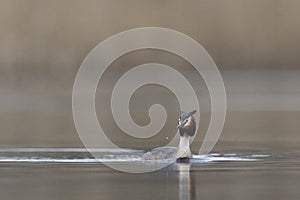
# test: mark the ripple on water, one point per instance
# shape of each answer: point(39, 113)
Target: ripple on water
point(81, 155)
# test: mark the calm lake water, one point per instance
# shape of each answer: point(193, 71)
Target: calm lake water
point(72, 173)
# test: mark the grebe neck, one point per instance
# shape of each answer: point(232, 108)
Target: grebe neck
point(184, 147)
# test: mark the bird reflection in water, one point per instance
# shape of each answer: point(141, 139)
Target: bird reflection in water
point(186, 182)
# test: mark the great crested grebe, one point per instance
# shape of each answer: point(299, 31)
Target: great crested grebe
point(187, 129)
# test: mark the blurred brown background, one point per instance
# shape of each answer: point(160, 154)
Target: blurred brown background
point(254, 43)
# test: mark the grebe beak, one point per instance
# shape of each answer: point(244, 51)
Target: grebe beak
point(180, 124)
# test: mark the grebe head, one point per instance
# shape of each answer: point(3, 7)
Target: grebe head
point(186, 119)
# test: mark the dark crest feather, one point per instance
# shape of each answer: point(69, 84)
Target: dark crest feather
point(184, 115)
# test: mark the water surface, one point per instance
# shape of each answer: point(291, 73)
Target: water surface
point(72, 173)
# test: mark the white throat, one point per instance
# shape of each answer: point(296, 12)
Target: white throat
point(184, 147)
